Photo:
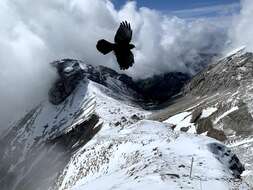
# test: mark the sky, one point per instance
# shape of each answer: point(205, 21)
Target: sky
point(190, 7)
point(168, 37)
point(173, 5)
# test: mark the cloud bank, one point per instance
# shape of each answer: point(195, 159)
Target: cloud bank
point(33, 33)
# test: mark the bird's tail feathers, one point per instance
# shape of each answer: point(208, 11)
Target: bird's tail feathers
point(104, 46)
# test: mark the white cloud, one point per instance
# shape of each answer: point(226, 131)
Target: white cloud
point(242, 30)
point(165, 43)
point(34, 33)
point(212, 11)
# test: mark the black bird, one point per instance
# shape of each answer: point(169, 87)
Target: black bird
point(121, 47)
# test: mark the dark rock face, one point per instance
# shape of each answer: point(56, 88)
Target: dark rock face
point(70, 73)
point(227, 157)
point(100, 74)
point(161, 88)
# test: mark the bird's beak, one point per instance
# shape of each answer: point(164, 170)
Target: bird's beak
point(132, 46)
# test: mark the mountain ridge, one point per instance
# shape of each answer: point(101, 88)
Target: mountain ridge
point(100, 132)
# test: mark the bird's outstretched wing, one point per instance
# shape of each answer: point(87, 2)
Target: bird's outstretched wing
point(125, 59)
point(124, 33)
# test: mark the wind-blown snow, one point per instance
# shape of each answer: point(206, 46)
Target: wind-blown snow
point(241, 30)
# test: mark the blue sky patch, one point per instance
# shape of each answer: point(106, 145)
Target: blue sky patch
point(189, 8)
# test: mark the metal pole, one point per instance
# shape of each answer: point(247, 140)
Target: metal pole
point(191, 167)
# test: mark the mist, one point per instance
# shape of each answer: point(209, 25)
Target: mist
point(34, 33)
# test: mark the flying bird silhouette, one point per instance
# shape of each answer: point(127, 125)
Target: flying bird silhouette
point(121, 46)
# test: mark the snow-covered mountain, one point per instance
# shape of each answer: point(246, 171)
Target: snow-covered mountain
point(92, 133)
point(38, 146)
point(218, 103)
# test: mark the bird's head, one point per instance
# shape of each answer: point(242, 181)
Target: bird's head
point(131, 46)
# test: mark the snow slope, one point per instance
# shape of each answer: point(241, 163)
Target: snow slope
point(146, 155)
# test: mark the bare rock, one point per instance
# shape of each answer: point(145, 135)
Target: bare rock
point(204, 125)
point(217, 134)
point(185, 129)
point(196, 114)
point(227, 157)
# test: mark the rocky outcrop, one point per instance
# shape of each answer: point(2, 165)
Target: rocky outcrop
point(204, 125)
point(217, 134)
point(226, 157)
point(196, 114)
point(70, 73)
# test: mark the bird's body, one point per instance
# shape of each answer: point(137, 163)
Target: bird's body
point(121, 47)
